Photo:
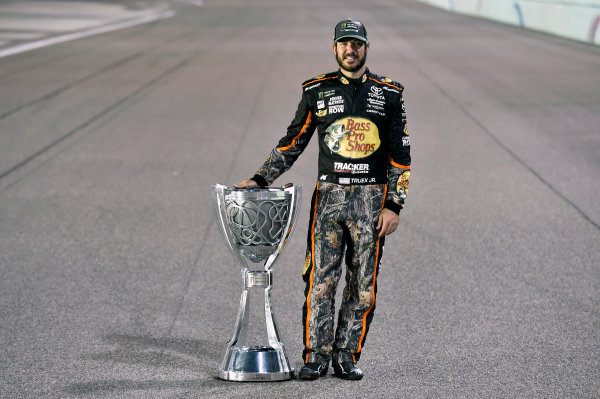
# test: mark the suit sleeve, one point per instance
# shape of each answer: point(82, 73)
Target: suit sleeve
point(290, 146)
point(399, 167)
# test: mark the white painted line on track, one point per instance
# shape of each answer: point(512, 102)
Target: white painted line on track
point(198, 3)
point(86, 33)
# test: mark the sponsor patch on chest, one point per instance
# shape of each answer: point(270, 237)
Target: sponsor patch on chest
point(348, 167)
point(336, 109)
point(336, 100)
point(352, 137)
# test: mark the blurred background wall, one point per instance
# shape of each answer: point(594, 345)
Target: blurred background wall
point(572, 19)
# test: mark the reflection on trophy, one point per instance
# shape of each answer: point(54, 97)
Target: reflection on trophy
point(256, 224)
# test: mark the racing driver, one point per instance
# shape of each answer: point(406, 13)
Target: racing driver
point(363, 173)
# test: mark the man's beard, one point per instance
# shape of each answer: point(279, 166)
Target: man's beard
point(361, 63)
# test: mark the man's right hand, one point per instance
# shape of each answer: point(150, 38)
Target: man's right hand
point(248, 183)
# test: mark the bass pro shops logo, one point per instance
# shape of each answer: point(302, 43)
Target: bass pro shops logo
point(352, 137)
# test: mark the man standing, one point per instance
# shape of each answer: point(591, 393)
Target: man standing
point(364, 168)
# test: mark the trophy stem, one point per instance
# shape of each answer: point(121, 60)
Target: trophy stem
point(272, 333)
point(241, 325)
point(255, 363)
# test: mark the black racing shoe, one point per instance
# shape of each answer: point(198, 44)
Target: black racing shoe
point(344, 366)
point(312, 371)
point(347, 371)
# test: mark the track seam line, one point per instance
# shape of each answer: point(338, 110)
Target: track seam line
point(70, 85)
point(90, 121)
point(512, 153)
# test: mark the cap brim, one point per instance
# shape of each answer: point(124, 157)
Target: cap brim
point(352, 36)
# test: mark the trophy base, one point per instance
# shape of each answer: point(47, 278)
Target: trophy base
point(257, 363)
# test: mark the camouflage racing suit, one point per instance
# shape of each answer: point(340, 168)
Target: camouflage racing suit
point(364, 166)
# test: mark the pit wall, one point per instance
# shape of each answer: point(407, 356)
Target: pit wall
point(572, 19)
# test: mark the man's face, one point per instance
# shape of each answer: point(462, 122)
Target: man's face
point(351, 54)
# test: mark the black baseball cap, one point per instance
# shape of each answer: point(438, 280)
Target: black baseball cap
point(350, 28)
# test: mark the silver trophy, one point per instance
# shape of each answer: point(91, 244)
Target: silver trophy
point(256, 224)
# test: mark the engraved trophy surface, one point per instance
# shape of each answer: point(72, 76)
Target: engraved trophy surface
point(256, 224)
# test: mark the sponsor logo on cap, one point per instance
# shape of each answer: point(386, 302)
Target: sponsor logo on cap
point(351, 26)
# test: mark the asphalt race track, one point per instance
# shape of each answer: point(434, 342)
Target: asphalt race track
point(116, 283)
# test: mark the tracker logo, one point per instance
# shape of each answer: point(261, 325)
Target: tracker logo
point(354, 168)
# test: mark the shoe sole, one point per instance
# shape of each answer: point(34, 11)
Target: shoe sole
point(341, 375)
point(349, 378)
point(308, 377)
point(313, 377)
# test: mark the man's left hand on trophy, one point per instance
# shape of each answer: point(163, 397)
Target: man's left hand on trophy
point(248, 183)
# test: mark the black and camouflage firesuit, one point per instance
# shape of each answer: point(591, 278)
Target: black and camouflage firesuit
point(364, 166)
